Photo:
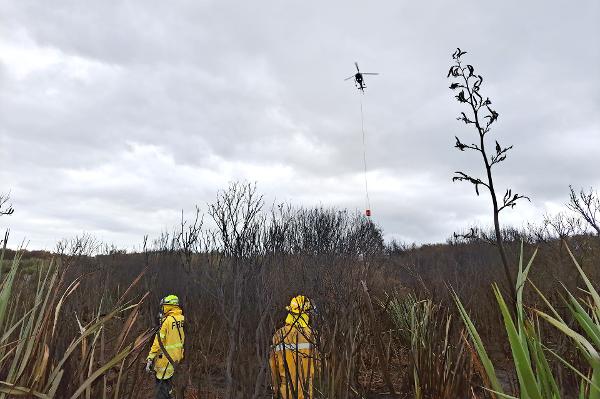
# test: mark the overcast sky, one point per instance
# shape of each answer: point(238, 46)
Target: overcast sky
point(117, 115)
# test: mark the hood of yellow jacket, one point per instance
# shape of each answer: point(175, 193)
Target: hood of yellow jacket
point(297, 319)
point(171, 310)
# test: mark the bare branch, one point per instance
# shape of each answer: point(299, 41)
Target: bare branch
point(562, 225)
point(461, 176)
point(5, 207)
point(500, 154)
point(587, 205)
point(461, 146)
point(510, 200)
point(475, 234)
point(464, 118)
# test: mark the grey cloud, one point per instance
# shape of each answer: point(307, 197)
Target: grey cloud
point(140, 109)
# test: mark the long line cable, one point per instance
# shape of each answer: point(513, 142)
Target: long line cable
point(364, 145)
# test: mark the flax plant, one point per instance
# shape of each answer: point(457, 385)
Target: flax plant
point(31, 361)
point(531, 356)
point(440, 367)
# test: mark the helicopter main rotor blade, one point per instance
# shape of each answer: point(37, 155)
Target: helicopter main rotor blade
point(349, 77)
point(370, 73)
point(356, 63)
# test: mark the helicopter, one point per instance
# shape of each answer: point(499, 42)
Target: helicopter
point(359, 81)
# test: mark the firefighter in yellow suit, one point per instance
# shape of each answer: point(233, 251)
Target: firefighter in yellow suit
point(293, 357)
point(167, 348)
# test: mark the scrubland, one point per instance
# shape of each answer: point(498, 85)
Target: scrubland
point(391, 320)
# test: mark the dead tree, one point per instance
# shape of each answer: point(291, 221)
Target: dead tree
point(562, 225)
point(481, 116)
point(586, 205)
point(188, 239)
point(237, 240)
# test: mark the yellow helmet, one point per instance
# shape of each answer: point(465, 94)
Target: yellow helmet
point(170, 300)
point(299, 304)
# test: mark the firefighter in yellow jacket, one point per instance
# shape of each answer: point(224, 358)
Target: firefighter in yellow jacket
point(293, 357)
point(167, 349)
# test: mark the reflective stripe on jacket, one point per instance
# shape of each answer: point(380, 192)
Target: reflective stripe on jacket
point(293, 361)
point(172, 337)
